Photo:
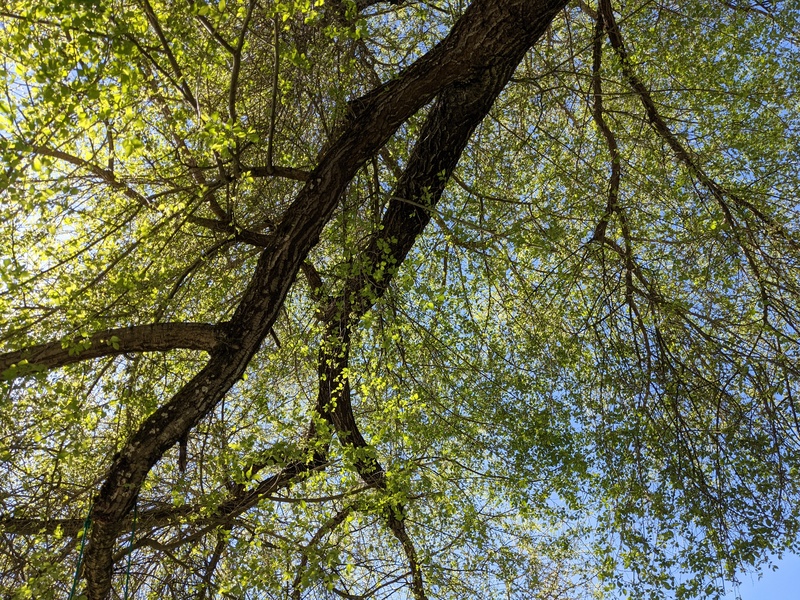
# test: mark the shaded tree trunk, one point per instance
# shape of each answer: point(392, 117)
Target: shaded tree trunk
point(467, 69)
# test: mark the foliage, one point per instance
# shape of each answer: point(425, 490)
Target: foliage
point(351, 299)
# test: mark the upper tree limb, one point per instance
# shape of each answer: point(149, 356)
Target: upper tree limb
point(157, 337)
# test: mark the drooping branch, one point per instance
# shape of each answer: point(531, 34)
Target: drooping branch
point(157, 337)
point(725, 199)
point(612, 204)
point(653, 115)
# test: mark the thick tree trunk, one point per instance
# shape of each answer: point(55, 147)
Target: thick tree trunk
point(491, 37)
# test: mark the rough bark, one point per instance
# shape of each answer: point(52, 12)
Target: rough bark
point(492, 35)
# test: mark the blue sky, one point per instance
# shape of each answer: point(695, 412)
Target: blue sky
point(783, 584)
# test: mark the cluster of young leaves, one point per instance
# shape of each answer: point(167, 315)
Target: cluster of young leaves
point(579, 382)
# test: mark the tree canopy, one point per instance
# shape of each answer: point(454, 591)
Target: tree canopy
point(356, 299)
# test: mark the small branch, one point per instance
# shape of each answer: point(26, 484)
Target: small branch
point(214, 34)
point(214, 205)
point(327, 527)
point(364, 4)
point(182, 148)
point(242, 499)
point(237, 63)
point(348, 595)
point(270, 170)
point(587, 9)
point(219, 548)
point(147, 54)
point(106, 175)
point(176, 69)
point(313, 278)
point(318, 499)
point(251, 237)
point(204, 256)
point(681, 153)
point(212, 31)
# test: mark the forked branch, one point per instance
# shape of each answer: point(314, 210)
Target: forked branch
point(479, 54)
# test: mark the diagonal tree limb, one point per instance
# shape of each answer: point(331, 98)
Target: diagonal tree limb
point(492, 34)
point(105, 175)
point(219, 548)
point(233, 87)
point(183, 86)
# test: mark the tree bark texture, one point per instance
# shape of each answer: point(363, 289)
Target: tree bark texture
point(463, 75)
